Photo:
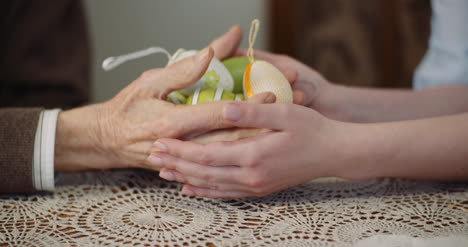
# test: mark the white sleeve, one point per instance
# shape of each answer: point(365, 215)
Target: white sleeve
point(44, 148)
point(446, 60)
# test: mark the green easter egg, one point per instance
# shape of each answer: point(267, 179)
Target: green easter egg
point(236, 66)
point(208, 95)
point(211, 78)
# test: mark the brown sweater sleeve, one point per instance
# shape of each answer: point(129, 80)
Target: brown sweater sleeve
point(17, 131)
point(44, 63)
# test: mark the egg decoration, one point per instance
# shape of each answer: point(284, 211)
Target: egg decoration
point(215, 76)
point(262, 76)
point(236, 78)
point(236, 66)
point(212, 94)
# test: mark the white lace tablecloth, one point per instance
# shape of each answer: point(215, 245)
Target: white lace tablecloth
point(135, 207)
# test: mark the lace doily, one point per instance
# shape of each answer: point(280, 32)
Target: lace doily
point(136, 207)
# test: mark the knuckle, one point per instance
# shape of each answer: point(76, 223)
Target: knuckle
point(149, 74)
point(251, 162)
point(252, 157)
point(168, 162)
point(255, 181)
point(207, 177)
point(166, 128)
point(205, 157)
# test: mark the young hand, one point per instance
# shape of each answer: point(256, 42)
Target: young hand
point(297, 145)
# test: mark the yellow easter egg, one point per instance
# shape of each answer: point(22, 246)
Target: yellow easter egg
point(262, 76)
point(211, 94)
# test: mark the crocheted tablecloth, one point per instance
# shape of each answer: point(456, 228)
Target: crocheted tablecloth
point(136, 207)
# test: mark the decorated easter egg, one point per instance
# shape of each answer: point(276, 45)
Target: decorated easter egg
point(211, 94)
point(216, 75)
point(262, 76)
point(236, 66)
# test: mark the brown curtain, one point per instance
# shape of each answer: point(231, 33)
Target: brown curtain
point(374, 43)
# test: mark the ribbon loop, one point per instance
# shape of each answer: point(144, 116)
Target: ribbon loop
point(252, 38)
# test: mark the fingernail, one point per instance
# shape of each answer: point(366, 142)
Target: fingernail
point(167, 175)
point(188, 192)
point(202, 54)
point(232, 112)
point(160, 146)
point(155, 160)
point(271, 98)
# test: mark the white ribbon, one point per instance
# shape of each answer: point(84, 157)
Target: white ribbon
point(112, 62)
point(195, 96)
point(218, 94)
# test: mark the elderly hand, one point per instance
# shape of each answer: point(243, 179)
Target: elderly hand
point(298, 146)
point(120, 132)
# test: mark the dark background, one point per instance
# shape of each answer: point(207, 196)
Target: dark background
point(375, 43)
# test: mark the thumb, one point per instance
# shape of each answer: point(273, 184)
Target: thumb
point(179, 75)
point(269, 116)
point(227, 45)
point(304, 92)
point(263, 98)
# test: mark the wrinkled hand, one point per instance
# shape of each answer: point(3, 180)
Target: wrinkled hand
point(120, 132)
point(298, 145)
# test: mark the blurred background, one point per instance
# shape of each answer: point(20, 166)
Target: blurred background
point(120, 26)
point(375, 43)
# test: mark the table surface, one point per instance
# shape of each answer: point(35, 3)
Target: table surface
point(136, 207)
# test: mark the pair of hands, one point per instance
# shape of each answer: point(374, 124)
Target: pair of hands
point(120, 133)
point(296, 143)
point(293, 146)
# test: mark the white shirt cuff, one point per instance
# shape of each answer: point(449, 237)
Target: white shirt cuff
point(44, 148)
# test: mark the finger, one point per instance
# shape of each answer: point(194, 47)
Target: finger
point(226, 45)
point(213, 154)
point(270, 116)
point(191, 120)
point(291, 76)
point(173, 175)
point(178, 75)
point(210, 174)
point(309, 90)
point(298, 97)
point(263, 98)
point(190, 190)
point(224, 135)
